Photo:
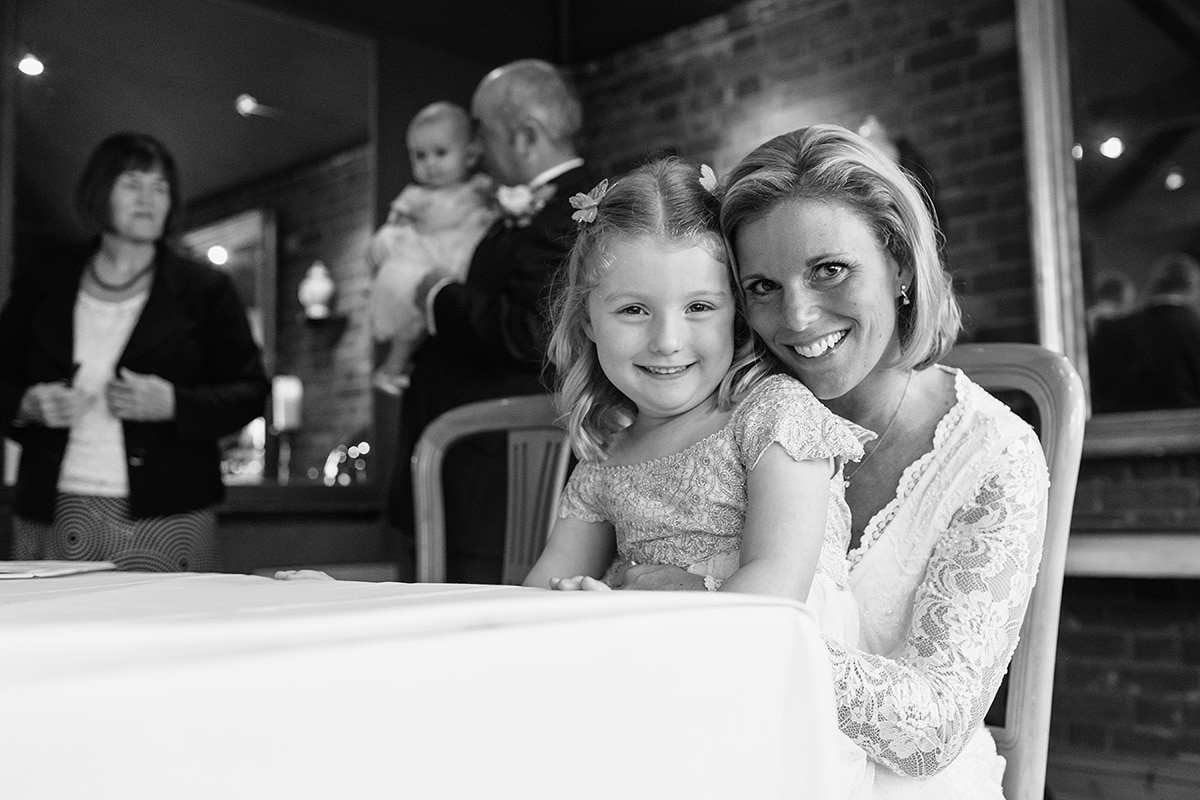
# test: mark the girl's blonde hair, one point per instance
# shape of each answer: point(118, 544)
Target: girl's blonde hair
point(831, 164)
point(664, 201)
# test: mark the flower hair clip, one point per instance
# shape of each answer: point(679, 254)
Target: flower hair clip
point(708, 180)
point(588, 204)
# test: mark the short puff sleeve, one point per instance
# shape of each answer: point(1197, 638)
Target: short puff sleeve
point(783, 410)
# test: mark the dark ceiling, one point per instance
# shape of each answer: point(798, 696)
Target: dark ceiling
point(175, 68)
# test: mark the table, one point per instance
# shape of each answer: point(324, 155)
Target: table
point(216, 685)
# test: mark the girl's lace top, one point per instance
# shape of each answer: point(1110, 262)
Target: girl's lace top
point(687, 509)
point(942, 578)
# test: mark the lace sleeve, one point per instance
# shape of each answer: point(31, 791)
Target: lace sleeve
point(916, 712)
point(580, 495)
point(782, 410)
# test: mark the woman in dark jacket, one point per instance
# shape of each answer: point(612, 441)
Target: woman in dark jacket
point(119, 371)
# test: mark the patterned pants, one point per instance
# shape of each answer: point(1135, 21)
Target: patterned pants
point(87, 528)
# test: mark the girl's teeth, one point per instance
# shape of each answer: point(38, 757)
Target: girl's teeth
point(665, 370)
point(820, 346)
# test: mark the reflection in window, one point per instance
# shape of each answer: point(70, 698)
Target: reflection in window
point(1135, 67)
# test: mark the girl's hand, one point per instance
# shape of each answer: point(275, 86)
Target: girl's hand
point(302, 574)
point(657, 577)
point(579, 583)
point(54, 405)
point(145, 398)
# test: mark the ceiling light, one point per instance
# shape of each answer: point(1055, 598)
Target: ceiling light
point(1077, 152)
point(31, 65)
point(218, 255)
point(1112, 147)
point(246, 104)
point(1174, 180)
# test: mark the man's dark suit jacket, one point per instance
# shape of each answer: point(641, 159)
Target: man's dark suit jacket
point(491, 342)
point(1148, 360)
point(192, 331)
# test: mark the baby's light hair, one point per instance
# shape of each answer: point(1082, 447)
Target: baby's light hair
point(662, 201)
point(444, 111)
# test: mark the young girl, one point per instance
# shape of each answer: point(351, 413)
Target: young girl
point(691, 453)
point(435, 222)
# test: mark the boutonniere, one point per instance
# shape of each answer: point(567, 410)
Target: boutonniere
point(520, 204)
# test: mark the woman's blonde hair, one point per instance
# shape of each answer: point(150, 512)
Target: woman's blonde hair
point(664, 201)
point(828, 163)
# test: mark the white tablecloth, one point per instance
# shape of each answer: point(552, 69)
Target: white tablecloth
point(176, 686)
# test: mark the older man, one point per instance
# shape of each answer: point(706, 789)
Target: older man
point(489, 332)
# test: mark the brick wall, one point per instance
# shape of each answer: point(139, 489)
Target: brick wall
point(941, 77)
point(1147, 493)
point(1128, 674)
point(323, 211)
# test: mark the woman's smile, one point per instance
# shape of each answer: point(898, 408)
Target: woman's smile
point(823, 346)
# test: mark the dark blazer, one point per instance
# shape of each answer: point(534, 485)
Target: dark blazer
point(192, 332)
point(492, 329)
point(492, 332)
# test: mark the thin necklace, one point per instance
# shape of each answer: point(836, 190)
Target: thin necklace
point(879, 442)
point(117, 287)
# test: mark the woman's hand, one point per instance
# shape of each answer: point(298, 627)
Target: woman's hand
point(54, 405)
point(145, 398)
point(579, 583)
point(656, 577)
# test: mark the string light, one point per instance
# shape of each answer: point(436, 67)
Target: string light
point(1174, 180)
point(1112, 147)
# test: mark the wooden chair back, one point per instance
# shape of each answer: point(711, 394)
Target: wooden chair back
point(538, 454)
point(1056, 390)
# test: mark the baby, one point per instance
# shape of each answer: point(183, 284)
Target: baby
point(434, 223)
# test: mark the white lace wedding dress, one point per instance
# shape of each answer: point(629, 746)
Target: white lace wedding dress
point(942, 578)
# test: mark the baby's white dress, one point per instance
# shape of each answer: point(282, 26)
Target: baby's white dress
point(428, 228)
point(687, 509)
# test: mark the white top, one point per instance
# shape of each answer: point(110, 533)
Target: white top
point(942, 578)
point(94, 463)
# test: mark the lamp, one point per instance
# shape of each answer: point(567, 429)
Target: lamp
point(316, 292)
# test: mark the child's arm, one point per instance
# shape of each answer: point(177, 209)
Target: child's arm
point(575, 548)
point(787, 502)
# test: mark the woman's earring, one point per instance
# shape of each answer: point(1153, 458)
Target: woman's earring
point(904, 296)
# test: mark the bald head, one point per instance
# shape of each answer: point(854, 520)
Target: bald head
point(529, 118)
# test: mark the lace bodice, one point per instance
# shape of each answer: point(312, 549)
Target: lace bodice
point(687, 509)
point(942, 578)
